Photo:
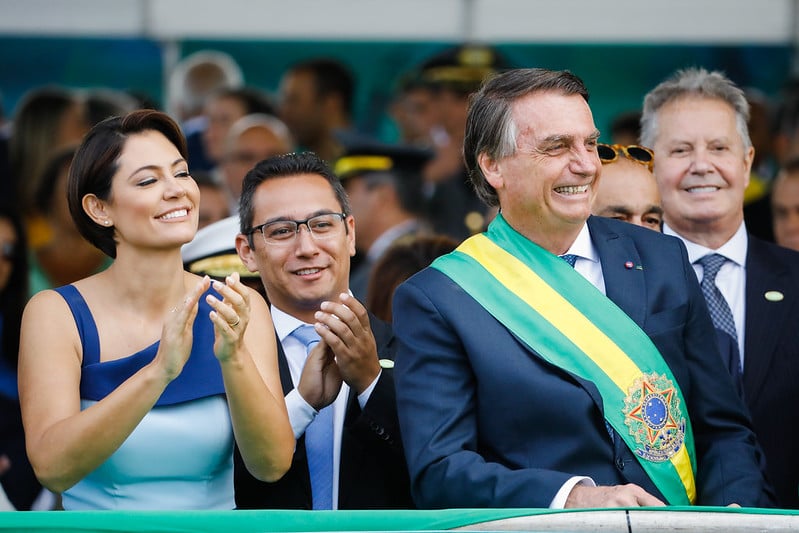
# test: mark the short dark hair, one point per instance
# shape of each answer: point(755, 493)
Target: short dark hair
point(407, 185)
point(97, 160)
point(489, 125)
point(330, 77)
point(282, 166)
point(626, 123)
point(252, 99)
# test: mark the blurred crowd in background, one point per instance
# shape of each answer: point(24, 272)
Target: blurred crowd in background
point(231, 124)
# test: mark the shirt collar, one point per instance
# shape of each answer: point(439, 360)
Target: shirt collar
point(734, 249)
point(284, 323)
point(582, 246)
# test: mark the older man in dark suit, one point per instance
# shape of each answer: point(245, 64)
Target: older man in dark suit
point(524, 382)
point(696, 121)
point(335, 359)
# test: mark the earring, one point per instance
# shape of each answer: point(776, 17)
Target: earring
point(107, 222)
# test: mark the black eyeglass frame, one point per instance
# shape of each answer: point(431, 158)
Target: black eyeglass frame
point(297, 225)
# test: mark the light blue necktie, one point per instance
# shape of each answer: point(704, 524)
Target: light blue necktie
point(721, 315)
point(318, 438)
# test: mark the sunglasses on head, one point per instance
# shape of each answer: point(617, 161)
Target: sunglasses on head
point(608, 153)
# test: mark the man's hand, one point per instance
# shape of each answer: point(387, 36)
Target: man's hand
point(349, 336)
point(628, 495)
point(320, 381)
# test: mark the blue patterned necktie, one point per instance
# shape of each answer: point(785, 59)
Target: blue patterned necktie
point(569, 258)
point(318, 438)
point(721, 315)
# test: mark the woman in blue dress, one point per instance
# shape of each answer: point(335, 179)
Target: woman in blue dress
point(137, 382)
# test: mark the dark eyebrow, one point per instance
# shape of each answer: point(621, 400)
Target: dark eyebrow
point(620, 209)
point(654, 209)
point(289, 219)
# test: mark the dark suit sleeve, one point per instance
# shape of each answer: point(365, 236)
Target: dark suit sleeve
point(438, 412)
point(729, 460)
point(376, 424)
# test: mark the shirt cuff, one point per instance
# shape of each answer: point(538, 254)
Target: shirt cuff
point(559, 501)
point(300, 412)
point(364, 396)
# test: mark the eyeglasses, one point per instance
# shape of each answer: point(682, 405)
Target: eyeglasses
point(608, 153)
point(8, 250)
point(284, 232)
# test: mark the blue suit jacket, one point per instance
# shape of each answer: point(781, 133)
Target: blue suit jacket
point(771, 362)
point(487, 423)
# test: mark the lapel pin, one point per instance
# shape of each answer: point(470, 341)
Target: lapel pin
point(628, 265)
point(774, 296)
point(386, 363)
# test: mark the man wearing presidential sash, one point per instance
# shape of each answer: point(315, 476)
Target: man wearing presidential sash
point(525, 379)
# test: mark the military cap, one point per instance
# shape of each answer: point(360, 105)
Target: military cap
point(462, 68)
point(364, 158)
point(213, 251)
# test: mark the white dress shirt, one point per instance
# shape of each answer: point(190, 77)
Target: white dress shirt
point(300, 412)
point(731, 279)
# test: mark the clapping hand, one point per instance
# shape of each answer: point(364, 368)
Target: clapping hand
point(344, 326)
point(230, 316)
point(320, 381)
point(177, 334)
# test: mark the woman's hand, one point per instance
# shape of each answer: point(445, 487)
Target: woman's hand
point(230, 315)
point(177, 335)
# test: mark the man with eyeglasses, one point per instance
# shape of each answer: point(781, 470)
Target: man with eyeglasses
point(335, 359)
point(627, 190)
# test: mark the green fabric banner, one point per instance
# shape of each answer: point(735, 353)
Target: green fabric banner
point(560, 315)
point(438, 520)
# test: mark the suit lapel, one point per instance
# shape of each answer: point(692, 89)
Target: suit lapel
point(283, 368)
point(300, 460)
point(621, 270)
point(764, 272)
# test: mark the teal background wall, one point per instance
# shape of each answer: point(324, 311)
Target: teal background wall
point(618, 76)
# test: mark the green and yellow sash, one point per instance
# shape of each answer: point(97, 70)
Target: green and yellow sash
point(569, 323)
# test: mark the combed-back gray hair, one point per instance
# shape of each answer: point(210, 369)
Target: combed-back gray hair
point(490, 128)
point(694, 82)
